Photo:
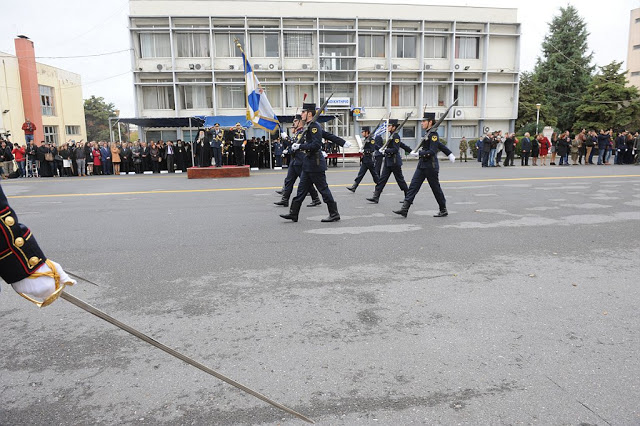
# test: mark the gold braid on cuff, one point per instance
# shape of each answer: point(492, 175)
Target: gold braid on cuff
point(53, 273)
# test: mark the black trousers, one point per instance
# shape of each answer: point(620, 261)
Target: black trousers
point(364, 167)
point(170, 167)
point(524, 159)
point(217, 156)
point(508, 161)
point(293, 173)
point(386, 173)
point(239, 155)
point(377, 163)
point(431, 176)
point(307, 181)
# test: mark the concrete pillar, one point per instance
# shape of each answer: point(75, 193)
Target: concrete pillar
point(25, 53)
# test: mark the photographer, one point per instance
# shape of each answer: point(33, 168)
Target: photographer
point(19, 155)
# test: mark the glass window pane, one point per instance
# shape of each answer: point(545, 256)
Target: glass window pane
point(272, 49)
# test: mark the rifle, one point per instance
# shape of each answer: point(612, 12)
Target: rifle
point(368, 138)
point(397, 129)
point(435, 126)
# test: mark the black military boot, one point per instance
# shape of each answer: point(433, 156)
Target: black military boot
point(442, 213)
point(284, 201)
point(375, 198)
point(293, 211)
point(334, 216)
point(280, 191)
point(404, 210)
point(314, 202)
point(353, 187)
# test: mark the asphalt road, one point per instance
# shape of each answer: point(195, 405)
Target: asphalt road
point(521, 307)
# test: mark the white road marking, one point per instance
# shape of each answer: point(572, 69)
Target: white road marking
point(365, 229)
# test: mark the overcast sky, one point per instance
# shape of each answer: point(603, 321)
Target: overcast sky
point(82, 28)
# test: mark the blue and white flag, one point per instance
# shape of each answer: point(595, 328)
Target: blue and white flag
point(381, 130)
point(259, 110)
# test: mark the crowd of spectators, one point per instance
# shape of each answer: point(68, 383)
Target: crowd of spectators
point(584, 147)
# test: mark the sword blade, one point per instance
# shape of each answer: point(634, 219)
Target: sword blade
point(108, 318)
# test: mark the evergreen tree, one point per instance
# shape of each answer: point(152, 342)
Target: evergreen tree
point(608, 103)
point(97, 113)
point(565, 69)
point(530, 94)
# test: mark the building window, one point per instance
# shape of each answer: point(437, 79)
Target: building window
point(372, 96)
point(298, 45)
point(158, 97)
point(404, 46)
point(408, 132)
point(635, 74)
point(274, 94)
point(464, 131)
point(51, 134)
point(155, 45)
point(371, 46)
point(164, 135)
point(466, 94)
point(226, 45)
point(264, 45)
point(435, 94)
point(403, 95)
point(195, 97)
point(435, 47)
point(193, 45)
point(637, 20)
point(231, 96)
point(295, 93)
point(636, 47)
point(467, 47)
point(46, 100)
point(72, 130)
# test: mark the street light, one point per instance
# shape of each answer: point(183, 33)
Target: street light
point(537, 116)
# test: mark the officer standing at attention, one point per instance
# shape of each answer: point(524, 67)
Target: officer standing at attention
point(313, 168)
point(295, 170)
point(428, 168)
point(22, 263)
point(239, 142)
point(216, 144)
point(392, 162)
point(367, 160)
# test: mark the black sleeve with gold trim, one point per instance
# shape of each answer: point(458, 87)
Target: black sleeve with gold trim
point(20, 255)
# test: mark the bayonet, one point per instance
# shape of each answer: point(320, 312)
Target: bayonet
point(435, 126)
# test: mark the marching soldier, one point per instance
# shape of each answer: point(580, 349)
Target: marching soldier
point(313, 168)
point(295, 170)
point(22, 263)
point(239, 142)
point(428, 168)
point(377, 155)
point(392, 162)
point(367, 163)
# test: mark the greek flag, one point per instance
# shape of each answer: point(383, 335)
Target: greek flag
point(381, 130)
point(259, 110)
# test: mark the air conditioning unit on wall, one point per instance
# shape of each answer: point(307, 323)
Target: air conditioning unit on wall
point(427, 66)
point(306, 66)
point(458, 113)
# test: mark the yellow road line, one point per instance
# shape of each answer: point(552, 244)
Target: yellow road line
point(182, 191)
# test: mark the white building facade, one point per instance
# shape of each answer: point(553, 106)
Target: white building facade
point(386, 59)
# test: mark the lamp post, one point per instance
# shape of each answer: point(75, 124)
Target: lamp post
point(537, 116)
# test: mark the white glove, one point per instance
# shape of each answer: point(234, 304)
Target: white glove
point(295, 146)
point(452, 158)
point(324, 154)
point(382, 150)
point(284, 135)
point(347, 144)
point(42, 287)
point(414, 154)
point(285, 152)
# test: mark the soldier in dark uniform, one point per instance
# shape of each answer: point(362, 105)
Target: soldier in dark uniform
point(428, 168)
point(239, 142)
point(295, 170)
point(367, 162)
point(392, 162)
point(217, 136)
point(22, 263)
point(313, 168)
point(377, 155)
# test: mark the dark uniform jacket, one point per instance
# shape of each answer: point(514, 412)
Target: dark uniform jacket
point(239, 136)
point(428, 154)
point(378, 144)
point(311, 143)
point(392, 152)
point(20, 255)
point(368, 151)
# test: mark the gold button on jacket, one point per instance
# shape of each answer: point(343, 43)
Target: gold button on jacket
point(19, 242)
point(10, 221)
point(34, 261)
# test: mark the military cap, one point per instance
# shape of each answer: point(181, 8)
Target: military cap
point(429, 116)
point(298, 117)
point(366, 129)
point(393, 122)
point(309, 107)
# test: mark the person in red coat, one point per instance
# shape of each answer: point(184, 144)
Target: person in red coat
point(97, 162)
point(19, 154)
point(544, 149)
point(28, 128)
